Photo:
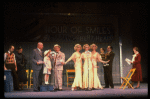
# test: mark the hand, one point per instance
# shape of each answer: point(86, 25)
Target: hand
point(16, 68)
point(37, 63)
point(49, 69)
point(62, 63)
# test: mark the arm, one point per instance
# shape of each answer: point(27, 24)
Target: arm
point(70, 58)
point(15, 62)
point(100, 59)
point(5, 55)
point(33, 57)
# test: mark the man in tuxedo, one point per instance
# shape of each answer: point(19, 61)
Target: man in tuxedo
point(59, 60)
point(37, 66)
point(108, 68)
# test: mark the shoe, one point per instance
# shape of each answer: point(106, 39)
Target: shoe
point(112, 87)
point(60, 90)
point(105, 87)
point(137, 87)
point(36, 90)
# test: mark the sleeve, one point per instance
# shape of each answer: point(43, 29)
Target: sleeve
point(112, 57)
point(63, 57)
point(5, 55)
point(70, 58)
point(138, 60)
point(33, 57)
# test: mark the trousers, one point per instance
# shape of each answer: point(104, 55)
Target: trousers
point(58, 79)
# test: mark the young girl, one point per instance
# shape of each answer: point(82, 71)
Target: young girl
point(47, 66)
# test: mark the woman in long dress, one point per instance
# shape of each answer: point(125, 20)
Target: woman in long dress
point(87, 68)
point(78, 67)
point(96, 58)
point(137, 76)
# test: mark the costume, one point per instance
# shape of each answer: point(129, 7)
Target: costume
point(137, 76)
point(88, 70)
point(97, 83)
point(37, 56)
point(78, 69)
point(9, 61)
point(21, 62)
point(108, 69)
point(47, 64)
point(58, 69)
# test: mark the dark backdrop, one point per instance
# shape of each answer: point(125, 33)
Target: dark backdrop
point(25, 22)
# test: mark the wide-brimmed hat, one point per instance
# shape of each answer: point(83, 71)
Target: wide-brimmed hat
point(57, 45)
point(45, 53)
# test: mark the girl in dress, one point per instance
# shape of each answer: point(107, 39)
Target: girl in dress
point(78, 67)
point(96, 58)
point(47, 66)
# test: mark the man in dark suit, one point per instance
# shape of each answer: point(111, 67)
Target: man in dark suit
point(108, 68)
point(37, 66)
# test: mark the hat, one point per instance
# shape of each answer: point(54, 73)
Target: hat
point(57, 45)
point(45, 53)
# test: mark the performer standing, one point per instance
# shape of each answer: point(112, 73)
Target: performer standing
point(108, 68)
point(37, 66)
point(137, 76)
point(47, 66)
point(78, 67)
point(95, 59)
point(87, 68)
point(21, 63)
point(10, 63)
point(59, 60)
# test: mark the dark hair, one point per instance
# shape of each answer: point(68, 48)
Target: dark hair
point(136, 48)
point(19, 48)
point(111, 47)
point(103, 49)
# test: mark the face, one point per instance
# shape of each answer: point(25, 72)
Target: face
point(40, 46)
point(101, 50)
point(20, 50)
point(134, 51)
point(108, 49)
point(78, 48)
point(57, 49)
point(12, 49)
point(94, 47)
point(86, 48)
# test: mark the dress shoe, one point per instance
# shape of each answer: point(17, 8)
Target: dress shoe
point(60, 90)
point(36, 90)
point(105, 87)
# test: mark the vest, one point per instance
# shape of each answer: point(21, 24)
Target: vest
point(10, 59)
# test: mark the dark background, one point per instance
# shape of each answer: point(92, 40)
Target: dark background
point(17, 27)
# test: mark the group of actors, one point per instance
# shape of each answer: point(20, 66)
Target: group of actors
point(85, 64)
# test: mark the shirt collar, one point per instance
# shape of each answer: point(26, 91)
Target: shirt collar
point(87, 52)
point(8, 51)
point(39, 49)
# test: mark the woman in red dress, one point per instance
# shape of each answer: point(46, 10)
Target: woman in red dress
point(137, 76)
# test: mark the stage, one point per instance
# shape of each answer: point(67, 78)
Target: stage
point(67, 93)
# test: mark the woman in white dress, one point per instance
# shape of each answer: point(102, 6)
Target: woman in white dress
point(78, 67)
point(47, 66)
point(96, 58)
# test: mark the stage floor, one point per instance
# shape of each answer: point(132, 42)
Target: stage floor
point(67, 93)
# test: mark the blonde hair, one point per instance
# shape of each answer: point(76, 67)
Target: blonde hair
point(91, 46)
point(85, 45)
point(75, 47)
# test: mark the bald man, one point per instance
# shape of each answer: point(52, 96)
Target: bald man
point(37, 66)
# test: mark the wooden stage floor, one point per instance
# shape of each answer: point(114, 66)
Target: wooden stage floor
point(67, 93)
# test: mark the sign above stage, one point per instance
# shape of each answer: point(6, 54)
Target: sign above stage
point(63, 33)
